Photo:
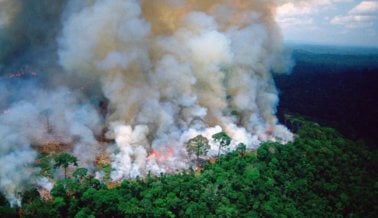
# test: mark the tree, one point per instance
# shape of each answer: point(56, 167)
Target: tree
point(319, 168)
point(80, 173)
point(6, 210)
point(198, 145)
point(64, 160)
point(241, 148)
point(223, 139)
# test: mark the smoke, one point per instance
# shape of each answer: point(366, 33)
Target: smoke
point(169, 70)
point(35, 118)
point(28, 29)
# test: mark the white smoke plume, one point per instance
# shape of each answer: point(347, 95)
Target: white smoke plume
point(170, 66)
point(35, 118)
point(169, 70)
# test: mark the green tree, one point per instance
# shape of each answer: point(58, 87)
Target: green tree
point(241, 148)
point(130, 208)
point(198, 145)
point(5, 209)
point(319, 174)
point(64, 160)
point(44, 162)
point(84, 213)
point(223, 139)
point(80, 173)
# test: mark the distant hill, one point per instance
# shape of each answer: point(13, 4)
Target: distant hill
point(336, 86)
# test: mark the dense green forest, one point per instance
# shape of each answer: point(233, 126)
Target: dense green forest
point(320, 174)
point(335, 86)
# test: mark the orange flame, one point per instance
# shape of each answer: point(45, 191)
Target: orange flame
point(161, 155)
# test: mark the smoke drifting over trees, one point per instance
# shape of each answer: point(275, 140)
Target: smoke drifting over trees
point(170, 70)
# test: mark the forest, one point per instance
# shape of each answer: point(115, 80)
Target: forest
point(335, 86)
point(173, 108)
point(320, 174)
point(324, 172)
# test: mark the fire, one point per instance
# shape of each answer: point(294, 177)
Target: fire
point(161, 155)
point(162, 160)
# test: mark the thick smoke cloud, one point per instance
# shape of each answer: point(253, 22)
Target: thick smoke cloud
point(36, 119)
point(28, 30)
point(168, 70)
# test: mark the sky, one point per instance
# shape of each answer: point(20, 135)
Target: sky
point(341, 22)
point(333, 22)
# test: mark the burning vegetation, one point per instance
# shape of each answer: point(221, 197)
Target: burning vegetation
point(133, 88)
